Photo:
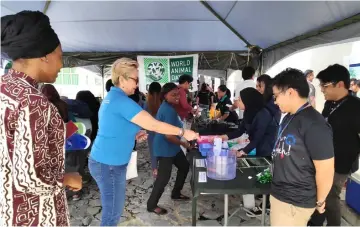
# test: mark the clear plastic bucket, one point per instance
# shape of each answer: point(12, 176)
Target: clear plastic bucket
point(221, 167)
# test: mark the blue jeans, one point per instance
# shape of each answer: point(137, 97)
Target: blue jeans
point(111, 181)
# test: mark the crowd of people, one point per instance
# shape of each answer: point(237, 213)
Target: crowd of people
point(312, 153)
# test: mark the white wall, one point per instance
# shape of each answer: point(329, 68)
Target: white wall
point(318, 59)
point(88, 80)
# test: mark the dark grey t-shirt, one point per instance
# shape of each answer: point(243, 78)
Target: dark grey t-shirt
point(307, 137)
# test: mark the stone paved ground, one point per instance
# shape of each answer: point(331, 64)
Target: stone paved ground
point(87, 211)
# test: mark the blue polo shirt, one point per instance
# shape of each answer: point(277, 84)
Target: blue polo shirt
point(161, 146)
point(116, 135)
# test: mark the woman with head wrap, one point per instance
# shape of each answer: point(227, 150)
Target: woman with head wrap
point(168, 152)
point(32, 156)
point(120, 121)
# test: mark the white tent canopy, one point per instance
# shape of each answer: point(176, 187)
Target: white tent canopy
point(91, 32)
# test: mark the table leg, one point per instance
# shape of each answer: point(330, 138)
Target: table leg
point(193, 210)
point(226, 209)
point(263, 210)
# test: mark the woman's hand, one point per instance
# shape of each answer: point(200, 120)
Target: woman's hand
point(190, 135)
point(141, 136)
point(73, 181)
point(240, 154)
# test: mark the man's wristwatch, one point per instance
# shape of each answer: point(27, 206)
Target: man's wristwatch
point(319, 204)
point(182, 132)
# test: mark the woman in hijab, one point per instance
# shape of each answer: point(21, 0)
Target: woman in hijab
point(152, 106)
point(224, 105)
point(32, 126)
point(168, 152)
point(258, 122)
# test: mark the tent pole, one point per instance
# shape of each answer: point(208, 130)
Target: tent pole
point(207, 6)
point(102, 79)
point(46, 7)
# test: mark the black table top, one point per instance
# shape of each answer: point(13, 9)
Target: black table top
point(240, 185)
point(213, 129)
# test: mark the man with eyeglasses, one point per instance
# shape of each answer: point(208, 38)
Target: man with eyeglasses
point(342, 111)
point(303, 167)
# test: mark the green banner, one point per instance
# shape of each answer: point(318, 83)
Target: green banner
point(166, 69)
point(180, 66)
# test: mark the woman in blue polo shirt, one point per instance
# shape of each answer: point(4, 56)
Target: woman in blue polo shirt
point(120, 120)
point(168, 152)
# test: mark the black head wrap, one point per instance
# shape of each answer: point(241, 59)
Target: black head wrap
point(27, 34)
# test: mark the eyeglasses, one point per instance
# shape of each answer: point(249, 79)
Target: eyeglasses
point(326, 84)
point(136, 80)
point(275, 96)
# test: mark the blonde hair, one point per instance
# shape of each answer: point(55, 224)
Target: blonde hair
point(122, 68)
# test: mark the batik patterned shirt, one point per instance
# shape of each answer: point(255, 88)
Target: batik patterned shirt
point(32, 136)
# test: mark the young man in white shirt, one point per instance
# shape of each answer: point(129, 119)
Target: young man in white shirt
point(309, 74)
point(248, 74)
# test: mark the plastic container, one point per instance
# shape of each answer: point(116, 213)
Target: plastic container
point(222, 167)
point(217, 146)
point(353, 192)
point(205, 139)
point(249, 201)
point(205, 148)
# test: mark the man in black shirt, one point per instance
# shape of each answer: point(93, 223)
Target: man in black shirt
point(303, 167)
point(342, 111)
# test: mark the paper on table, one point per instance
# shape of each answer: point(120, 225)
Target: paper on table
point(202, 177)
point(200, 163)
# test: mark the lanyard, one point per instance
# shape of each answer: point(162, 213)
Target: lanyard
point(282, 129)
point(336, 107)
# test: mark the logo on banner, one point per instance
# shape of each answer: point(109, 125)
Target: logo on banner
point(156, 69)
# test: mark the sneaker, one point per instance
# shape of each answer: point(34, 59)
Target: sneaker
point(254, 212)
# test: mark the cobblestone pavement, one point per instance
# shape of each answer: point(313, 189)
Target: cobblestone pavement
point(87, 211)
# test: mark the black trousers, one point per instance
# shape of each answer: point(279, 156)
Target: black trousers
point(332, 206)
point(163, 177)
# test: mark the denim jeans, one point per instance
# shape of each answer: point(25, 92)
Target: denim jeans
point(111, 181)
